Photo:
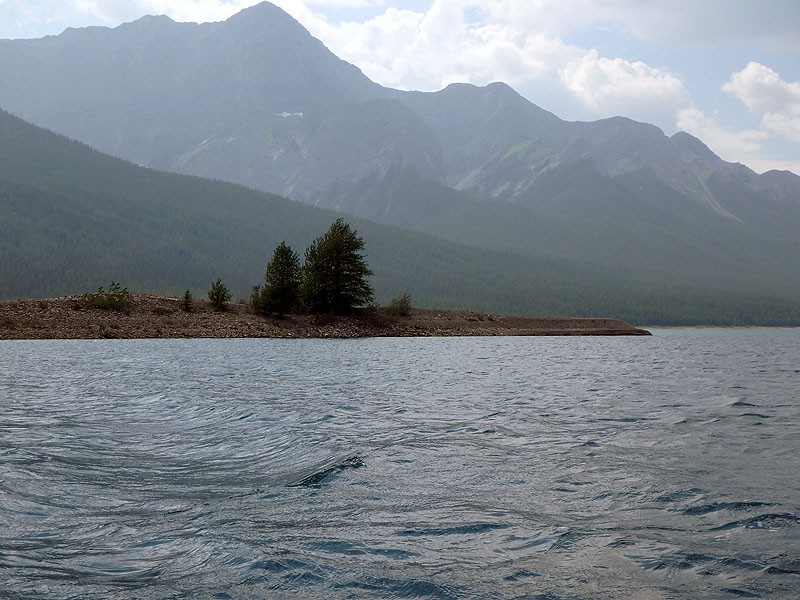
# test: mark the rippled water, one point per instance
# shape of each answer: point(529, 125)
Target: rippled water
point(661, 467)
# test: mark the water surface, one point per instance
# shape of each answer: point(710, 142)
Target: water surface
point(654, 467)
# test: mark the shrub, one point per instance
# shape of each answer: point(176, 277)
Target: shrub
point(219, 295)
point(114, 298)
point(401, 305)
point(256, 303)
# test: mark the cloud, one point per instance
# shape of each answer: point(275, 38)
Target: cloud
point(618, 86)
point(677, 22)
point(764, 93)
point(426, 51)
point(480, 42)
point(682, 22)
point(724, 141)
point(114, 11)
point(345, 3)
point(744, 146)
point(711, 22)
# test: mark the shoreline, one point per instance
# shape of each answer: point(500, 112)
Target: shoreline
point(162, 317)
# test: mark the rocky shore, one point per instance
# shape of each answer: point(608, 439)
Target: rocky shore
point(153, 316)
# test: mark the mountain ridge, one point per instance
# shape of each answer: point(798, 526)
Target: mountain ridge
point(75, 219)
point(263, 59)
point(256, 100)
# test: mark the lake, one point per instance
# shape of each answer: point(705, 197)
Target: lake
point(558, 467)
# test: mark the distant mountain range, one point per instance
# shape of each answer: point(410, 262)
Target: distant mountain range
point(75, 219)
point(256, 100)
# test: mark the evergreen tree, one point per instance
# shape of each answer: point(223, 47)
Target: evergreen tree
point(334, 276)
point(219, 295)
point(281, 291)
point(186, 304)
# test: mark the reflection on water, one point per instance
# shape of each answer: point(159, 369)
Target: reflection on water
point(659, 467)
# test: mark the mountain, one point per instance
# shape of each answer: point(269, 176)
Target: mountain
point(252, 100)
point(256, 100)
point(75, 219)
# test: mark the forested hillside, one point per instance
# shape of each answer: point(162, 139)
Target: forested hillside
point(74, 219)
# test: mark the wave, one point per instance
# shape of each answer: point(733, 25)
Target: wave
point(766, 521)
point(328, 472)
point(718, 506)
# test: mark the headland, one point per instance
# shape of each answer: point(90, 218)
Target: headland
point(153, 316)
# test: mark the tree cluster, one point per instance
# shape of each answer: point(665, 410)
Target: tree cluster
point(332, 279)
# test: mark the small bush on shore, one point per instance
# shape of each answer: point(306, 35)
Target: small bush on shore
point(401, 305)
point(219, 295)
point(114, 298)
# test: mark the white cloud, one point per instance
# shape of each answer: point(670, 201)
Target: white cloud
point(710, 22)
point(345, 3)
point(544, 16)
point(744, 146)
point(114, 11)
point(764, 93)
point(763, 163)
point(786, 126)
point(618, 86)
point(427, 51)
point(683, 22)
point(762, 89)
point(725, 142)
point(462, 41)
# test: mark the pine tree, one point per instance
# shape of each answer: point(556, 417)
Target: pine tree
point(186, 304)
point(281, 291)
point(219, 295)
point(334, 276)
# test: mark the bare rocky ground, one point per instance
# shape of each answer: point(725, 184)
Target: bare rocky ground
point(154, 316)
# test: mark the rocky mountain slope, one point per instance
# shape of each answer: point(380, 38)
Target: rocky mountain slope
point(257, 100)
point(75, 219)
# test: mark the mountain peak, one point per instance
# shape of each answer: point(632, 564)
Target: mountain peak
point(690, 144)
point(624, 126)
point(265, 14)
point(152, 23)
point(501, 87)
point(264, 8)
point(152, 19)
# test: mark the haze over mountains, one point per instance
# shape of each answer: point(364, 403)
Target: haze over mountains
point(256, 100)
point(74, 219)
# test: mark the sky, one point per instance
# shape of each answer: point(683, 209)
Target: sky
point(726, 71)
